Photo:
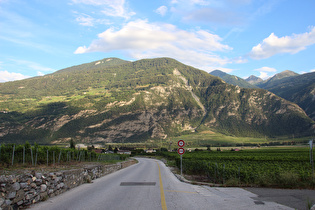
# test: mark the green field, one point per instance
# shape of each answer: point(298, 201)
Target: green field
point(286, 167)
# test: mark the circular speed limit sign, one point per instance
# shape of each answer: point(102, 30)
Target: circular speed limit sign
point(181, 151)
point(181, 143)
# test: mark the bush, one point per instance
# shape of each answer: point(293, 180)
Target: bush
point(232, 182)
point(265, 180)
point(288, 179)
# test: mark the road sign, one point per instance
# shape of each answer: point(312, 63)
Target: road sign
point(181, 143)
point(181, 151)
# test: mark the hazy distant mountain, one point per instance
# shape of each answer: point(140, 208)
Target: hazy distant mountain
point(231, 79)
point(119, 101)
point(253, 80)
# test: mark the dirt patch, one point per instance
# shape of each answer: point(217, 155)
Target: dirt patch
point(208, 132)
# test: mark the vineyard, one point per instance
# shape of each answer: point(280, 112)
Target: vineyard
point(287, 167)
point(25, 154)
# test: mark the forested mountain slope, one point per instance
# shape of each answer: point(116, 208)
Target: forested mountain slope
point(299, 89)
point(136, 101)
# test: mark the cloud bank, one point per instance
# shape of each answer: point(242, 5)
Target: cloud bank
point(273, 44)
point(141, 39)
point(264, 72)
point(6, 76)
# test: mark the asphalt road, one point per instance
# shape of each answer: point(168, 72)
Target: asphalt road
point(151, 185)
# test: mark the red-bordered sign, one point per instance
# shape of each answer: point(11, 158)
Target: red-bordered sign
point(181, 143)
point(181, 151)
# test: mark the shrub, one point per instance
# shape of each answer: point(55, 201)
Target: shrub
point(288, 179)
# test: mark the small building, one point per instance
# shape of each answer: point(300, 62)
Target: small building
point(150, 151)
point(124, 152)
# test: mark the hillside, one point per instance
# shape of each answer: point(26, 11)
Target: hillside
point(299, 89)
point(135, 101)
point(231, 79)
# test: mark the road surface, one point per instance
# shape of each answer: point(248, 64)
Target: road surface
point(151, 185)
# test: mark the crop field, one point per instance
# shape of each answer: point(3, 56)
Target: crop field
point(287, 167)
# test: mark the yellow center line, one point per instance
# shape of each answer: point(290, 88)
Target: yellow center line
point(163, 202)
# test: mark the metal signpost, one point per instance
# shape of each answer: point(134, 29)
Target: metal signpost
point(181, 151)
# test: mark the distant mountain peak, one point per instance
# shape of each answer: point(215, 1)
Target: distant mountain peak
point(252, 79)
point(283, 74)
point(232, 79)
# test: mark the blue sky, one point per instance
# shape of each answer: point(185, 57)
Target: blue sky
point(240, 37)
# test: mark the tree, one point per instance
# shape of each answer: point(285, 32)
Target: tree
point(163, 149)
point(110, 148)
point(72, 144)
point(208, 148)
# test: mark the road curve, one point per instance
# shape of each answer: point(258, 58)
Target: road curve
point(149, 184)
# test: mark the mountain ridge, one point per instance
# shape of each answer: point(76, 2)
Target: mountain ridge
point(272, 80)
point(290, 86)
point(140, 100)
point(232, 79)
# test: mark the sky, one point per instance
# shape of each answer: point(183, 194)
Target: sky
point(239, 37)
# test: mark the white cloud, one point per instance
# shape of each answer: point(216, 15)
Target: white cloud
point(161, 10)
point(40, 73)
point(114, 8)
point(32, 65)
point(217, 12)
point(264, 72)
point(226, 70)
point(273, 45)
point(141, 39)
point(87, 20)
point(190, 2)
point(313, 70)
point(267, 69)
point(6, 76)
point(200, 2)
point(215, 15)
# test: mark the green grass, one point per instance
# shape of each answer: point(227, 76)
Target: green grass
point(52, 99)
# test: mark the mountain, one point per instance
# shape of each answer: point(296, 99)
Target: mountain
point(100, 64)
point(299, 89)
point(269, 83)
point(253, 80)
point(136, 101)
point(231, 79)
